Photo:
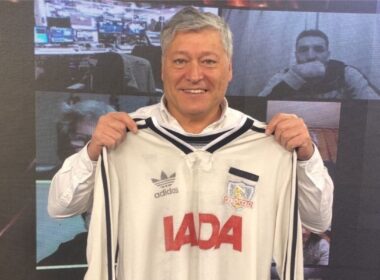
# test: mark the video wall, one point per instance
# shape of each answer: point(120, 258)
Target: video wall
point(98, 56)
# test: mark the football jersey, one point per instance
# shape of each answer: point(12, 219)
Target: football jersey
point(169, 206)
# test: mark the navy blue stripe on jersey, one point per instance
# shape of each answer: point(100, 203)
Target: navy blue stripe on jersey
point(285, 263)
point(196, 139)
point(117, 254)
point(247, 125)
point(243, 174)
point(139, 126)
point(108, 219)
point(258, 129)
point(179, 145)
point(175, 138)
point(294, 239)
point(142, 126)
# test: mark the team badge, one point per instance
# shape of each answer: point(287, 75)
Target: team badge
point(239, 195)
point(164, 183)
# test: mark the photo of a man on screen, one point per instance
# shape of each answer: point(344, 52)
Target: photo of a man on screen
point(315, 75)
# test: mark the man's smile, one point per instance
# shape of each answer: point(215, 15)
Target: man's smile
point(194, 91)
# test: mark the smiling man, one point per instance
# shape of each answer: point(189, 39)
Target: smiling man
point(200, 191)
point(195, 77)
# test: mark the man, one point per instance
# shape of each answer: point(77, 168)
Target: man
point(317, 76)
point(75, 127)
point(316, 249)
point(77, 122)
point(193, 115)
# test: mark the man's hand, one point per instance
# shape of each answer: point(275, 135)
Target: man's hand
point(310, 70)
point(292, 133)
point(110, 131)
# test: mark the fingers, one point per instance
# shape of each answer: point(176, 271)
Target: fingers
point(292, 133)
point(278, 120)
point(109, 132)
point(311, 69)
point(120, 121)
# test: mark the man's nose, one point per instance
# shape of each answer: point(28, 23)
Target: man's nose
point(311, 54)
point(194, 73)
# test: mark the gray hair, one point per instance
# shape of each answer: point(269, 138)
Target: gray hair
point(190, 19)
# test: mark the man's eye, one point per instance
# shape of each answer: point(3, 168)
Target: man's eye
point(303, 49)
point(179, 61)
point(209, 61)
point(319, 49)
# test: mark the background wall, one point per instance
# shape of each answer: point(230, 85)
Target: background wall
point(17, 203)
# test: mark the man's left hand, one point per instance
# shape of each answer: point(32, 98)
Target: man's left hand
point(292, 133)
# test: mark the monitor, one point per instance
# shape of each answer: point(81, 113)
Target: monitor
point(110, 27)
point(41, 35)
point(61, 35)
point(80, 21)
point(59, 22)
point(87, 36)
point(135, 27)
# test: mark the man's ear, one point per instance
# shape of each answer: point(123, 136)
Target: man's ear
point(162, 68)
point(230, 71)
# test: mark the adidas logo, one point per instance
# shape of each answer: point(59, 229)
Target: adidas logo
point(164, 181)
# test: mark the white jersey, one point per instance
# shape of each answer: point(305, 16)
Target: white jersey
point(169, 206)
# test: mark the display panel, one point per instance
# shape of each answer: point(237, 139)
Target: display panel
point(135, 27)
point(125, 28)
point(41, 35)
point(262, 48)
point(277, 68)
point(87, 36)
point(322, 119)
point(59, 22)
point(61, 35)
point(110, 27)
point(80, 21)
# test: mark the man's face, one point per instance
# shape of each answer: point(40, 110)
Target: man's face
point(312, 48)
point(82, 135)
point(196, 71)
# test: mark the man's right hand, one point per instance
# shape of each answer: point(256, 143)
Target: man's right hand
point(310, 70)
point(109, 132)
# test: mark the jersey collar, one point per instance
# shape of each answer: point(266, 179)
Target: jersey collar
point(170, 121)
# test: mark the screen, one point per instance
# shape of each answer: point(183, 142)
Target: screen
point(135, 28)
point(273, 55)
point(40, 35)
point(110, 27)
point(87, 36)
point(59, 21)
point(82, 22)
point(263, 51)
point(61, 35)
